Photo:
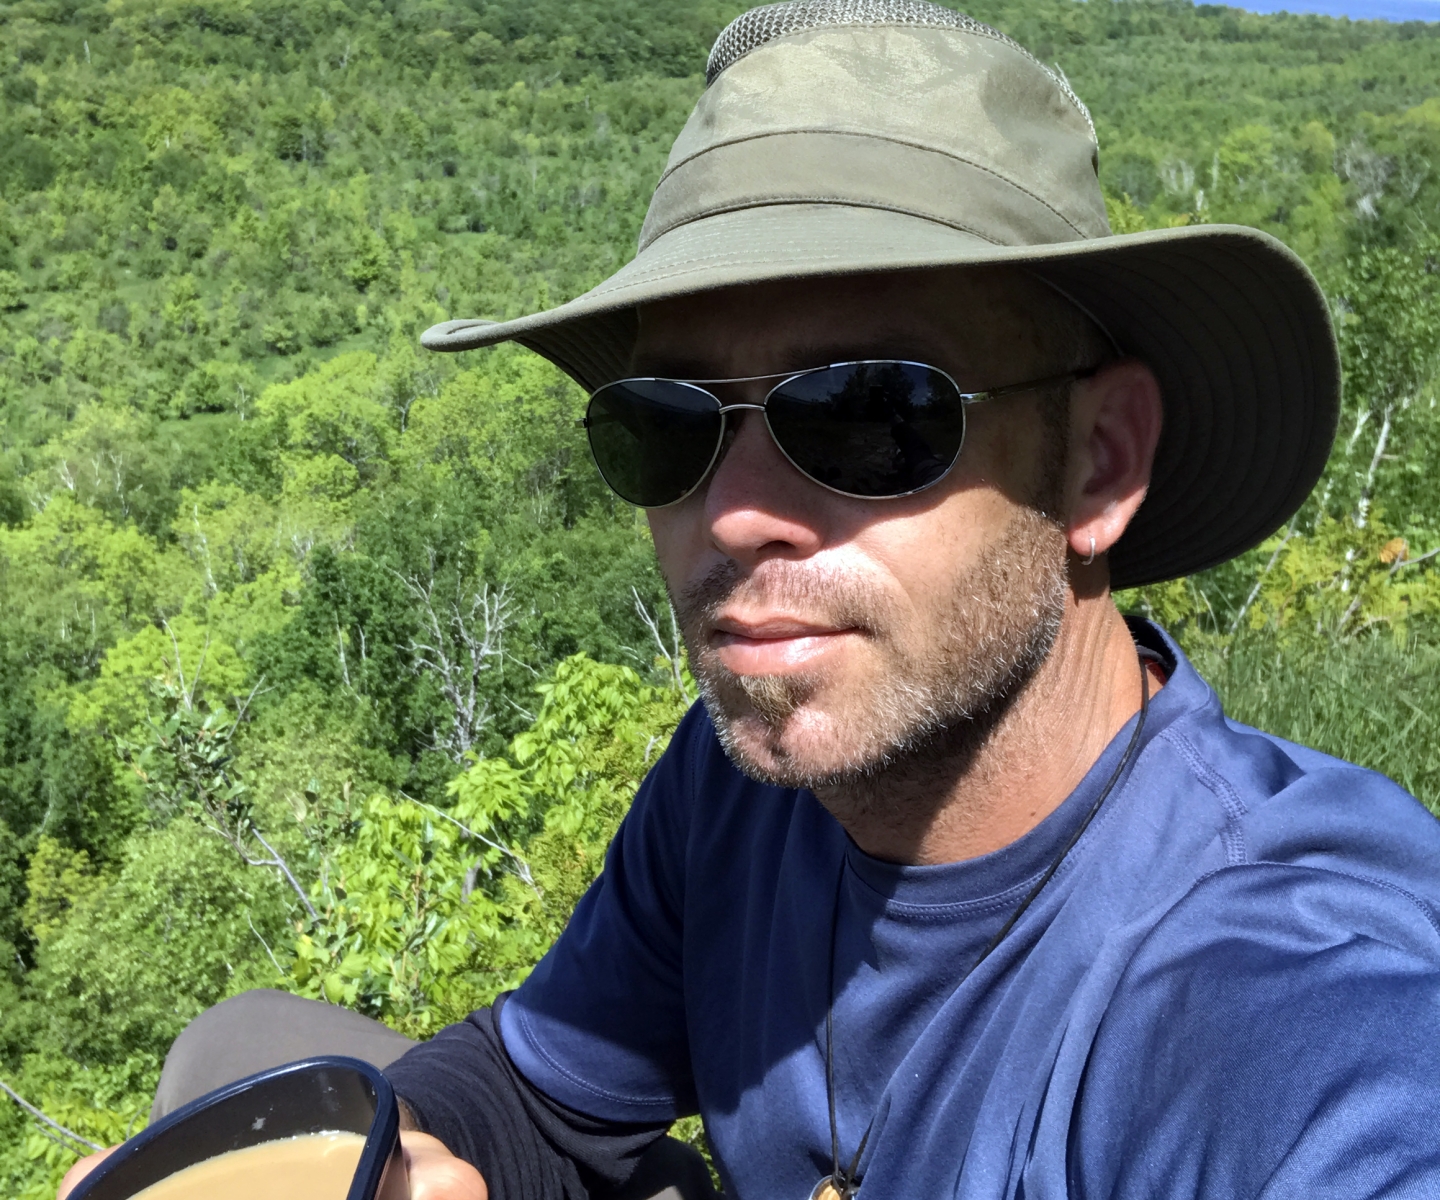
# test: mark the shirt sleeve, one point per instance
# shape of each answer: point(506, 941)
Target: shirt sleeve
point(1276, 1035)
point(600, 1024)
point(462, 1088)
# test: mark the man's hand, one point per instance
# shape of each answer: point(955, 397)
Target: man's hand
point(435, 1173)
point(81, 1169)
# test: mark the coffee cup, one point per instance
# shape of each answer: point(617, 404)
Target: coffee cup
point(332, 1116)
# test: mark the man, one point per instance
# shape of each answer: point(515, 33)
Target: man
point(958, 883)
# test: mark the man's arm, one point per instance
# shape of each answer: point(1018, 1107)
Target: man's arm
point(465, 1101)
point(604, 1021)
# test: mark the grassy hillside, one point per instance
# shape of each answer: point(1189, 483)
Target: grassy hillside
point(271, 579)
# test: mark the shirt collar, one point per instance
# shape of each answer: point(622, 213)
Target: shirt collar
point(996, 878)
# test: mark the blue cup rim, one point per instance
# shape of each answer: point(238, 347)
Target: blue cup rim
point(380, 1139)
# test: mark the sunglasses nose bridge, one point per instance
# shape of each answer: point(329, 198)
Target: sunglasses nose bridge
point(732, 416)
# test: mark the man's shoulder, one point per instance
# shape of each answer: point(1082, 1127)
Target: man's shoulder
point(1328, 881)
point(1262, 773)
point(1309, 1000)
point(1295, 851)
point(1283, 802)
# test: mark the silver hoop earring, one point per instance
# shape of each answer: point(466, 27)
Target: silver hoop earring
point(1086, 562)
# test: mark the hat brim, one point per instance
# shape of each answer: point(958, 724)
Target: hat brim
point(1234, 326)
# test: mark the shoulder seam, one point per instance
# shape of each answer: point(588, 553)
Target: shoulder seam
point(1233, 834)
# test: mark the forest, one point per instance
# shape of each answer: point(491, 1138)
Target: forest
point(330, 665)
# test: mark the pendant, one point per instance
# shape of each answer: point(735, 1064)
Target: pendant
point(827, 1189)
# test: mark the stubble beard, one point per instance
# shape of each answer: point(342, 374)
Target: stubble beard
point(935, 695)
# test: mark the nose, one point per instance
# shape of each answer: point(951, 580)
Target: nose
point(757, 505)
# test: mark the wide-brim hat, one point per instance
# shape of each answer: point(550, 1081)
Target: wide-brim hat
point(844, 137)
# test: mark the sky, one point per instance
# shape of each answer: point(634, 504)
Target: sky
point(1359, 10)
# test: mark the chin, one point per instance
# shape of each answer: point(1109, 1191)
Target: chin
point(799, 748)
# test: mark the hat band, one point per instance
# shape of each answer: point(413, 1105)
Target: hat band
point(863, 171)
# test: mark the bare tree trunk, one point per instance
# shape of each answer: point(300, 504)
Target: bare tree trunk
point(340, 644)
point(1362, 506)
point(461, 641)
point(672, 655)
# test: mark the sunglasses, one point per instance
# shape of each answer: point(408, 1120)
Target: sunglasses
point(875, 430)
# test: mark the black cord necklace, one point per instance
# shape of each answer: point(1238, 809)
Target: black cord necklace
point(844, 1184)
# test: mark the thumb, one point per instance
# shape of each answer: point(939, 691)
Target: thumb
point(436, 1174)
point(81, 1169)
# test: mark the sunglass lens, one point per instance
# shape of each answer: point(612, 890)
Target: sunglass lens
point(653, 439)
point(870, 429)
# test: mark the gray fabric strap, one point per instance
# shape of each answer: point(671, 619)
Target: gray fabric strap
point(261, 1029)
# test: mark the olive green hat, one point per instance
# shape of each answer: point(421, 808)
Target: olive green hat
point(841, 137)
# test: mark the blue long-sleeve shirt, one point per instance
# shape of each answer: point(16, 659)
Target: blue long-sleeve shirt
point(1230, 989)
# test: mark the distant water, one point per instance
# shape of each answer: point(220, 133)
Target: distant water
point(1356, 10)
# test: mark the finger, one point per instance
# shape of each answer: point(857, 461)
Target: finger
point(436, 1174)
point(81, 1169)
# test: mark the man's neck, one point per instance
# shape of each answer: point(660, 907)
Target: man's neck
point(950, 808)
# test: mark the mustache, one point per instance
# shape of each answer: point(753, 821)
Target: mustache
point(835, 597)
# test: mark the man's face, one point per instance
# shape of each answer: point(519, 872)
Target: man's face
point(835, 637)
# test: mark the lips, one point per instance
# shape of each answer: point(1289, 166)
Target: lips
point(773, 644)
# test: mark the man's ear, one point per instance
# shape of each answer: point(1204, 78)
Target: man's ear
point(1114, 427)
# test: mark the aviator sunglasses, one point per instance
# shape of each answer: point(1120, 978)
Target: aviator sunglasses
point(876, 429)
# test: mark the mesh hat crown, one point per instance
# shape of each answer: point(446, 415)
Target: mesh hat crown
point(890, 106)
point(760, 25)
point(851, 137)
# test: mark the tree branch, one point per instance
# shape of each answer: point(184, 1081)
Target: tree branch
point(270, 954)
point(1410, 562)
point(1260, 579)
point(340, 642)
point(40, 1116)
point(458, 647)
point(277, 861)
point(522, 868)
